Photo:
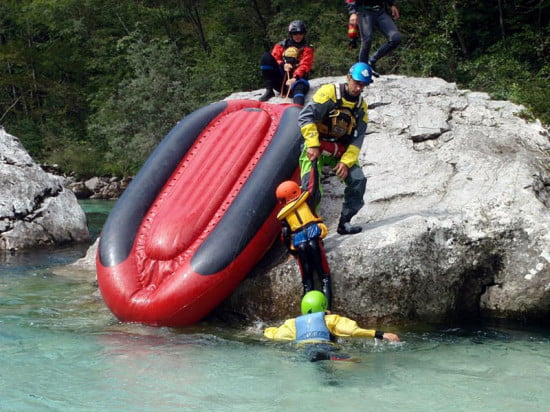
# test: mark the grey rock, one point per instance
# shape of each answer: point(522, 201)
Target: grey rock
point(35, 207)
point(456, 223)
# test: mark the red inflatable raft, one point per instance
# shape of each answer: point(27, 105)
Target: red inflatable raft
point(199, 214)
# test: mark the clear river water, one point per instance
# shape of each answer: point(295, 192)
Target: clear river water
point(62, 350)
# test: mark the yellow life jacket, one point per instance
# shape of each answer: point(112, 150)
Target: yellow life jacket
point(298, 214)
point(291, 54)
point(341, 120)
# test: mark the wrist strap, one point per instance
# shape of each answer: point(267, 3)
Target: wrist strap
point(379, 334)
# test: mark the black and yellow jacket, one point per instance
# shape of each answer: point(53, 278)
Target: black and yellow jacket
point(322, 104)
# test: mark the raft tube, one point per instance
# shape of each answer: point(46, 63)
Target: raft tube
point(199, 214)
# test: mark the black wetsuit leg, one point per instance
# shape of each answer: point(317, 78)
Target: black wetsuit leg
point(306, 266)
point(320, 264)
point(271, 72)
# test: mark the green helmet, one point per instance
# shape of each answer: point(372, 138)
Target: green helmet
point(314, 301)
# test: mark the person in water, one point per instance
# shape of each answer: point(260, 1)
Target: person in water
point(303, 232)
point(317, 328)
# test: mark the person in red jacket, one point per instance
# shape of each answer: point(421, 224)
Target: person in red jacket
point(286, 68)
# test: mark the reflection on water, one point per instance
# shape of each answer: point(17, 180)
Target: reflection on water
point(61, 349)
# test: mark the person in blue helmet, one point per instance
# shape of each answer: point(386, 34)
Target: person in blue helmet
point(333, 125)
point(368, 15)
point(316, 329)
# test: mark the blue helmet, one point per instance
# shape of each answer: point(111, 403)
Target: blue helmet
point(361, 72)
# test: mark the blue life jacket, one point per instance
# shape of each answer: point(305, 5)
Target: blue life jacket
point(311, 231)
point(312, 327)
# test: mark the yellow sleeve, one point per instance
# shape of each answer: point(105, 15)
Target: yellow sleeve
point(311, 135)
point(350, 156)
point(345, 327)
point(322, 102)
point(287, 331)
point(365, 108)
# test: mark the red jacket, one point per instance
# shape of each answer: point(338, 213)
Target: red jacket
point(306, 57)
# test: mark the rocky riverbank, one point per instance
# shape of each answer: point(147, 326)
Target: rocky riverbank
point(98, 187)
point(36, 209)
point(102, 187)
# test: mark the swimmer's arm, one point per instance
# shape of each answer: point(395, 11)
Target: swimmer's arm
point(345, 327)
point(285, 332)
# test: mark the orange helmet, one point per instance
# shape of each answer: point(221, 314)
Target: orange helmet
point(288, 191)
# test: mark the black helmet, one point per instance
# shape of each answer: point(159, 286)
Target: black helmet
point(297, 26)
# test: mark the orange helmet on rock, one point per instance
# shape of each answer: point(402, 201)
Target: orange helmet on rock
point(288, 191)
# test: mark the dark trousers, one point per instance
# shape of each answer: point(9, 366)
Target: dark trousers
point(382, 21)
point(312, 259)
point(275, 78)
point(356, 184)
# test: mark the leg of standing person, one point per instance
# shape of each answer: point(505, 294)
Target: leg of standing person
point(306, 266)
point(365, 22)
point(310, 175)
point(322, 268)
point(356, 184)
point(388, 28)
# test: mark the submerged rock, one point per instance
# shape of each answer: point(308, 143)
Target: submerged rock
point(35, 208)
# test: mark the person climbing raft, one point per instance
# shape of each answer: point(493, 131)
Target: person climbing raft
point(302, 234)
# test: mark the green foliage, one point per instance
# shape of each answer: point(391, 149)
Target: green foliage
point(144, 107)
point(511, 71)
point(83, 159)
point(94, 85)
point(330, 41)
point(29, 134)
point(534, 93)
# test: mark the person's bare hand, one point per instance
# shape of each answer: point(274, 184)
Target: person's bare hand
point(392, 337)
point(313, 153)
point(290, 82)
point(395, 12)
point(341, 170)
point(353, 19)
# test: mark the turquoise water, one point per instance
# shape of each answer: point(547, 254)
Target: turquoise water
point(62, 350)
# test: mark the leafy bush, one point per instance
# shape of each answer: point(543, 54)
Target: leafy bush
point(81, 158)
point(144, 107)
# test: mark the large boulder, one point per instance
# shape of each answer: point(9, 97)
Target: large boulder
point(35, 208)
point(456, 222)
